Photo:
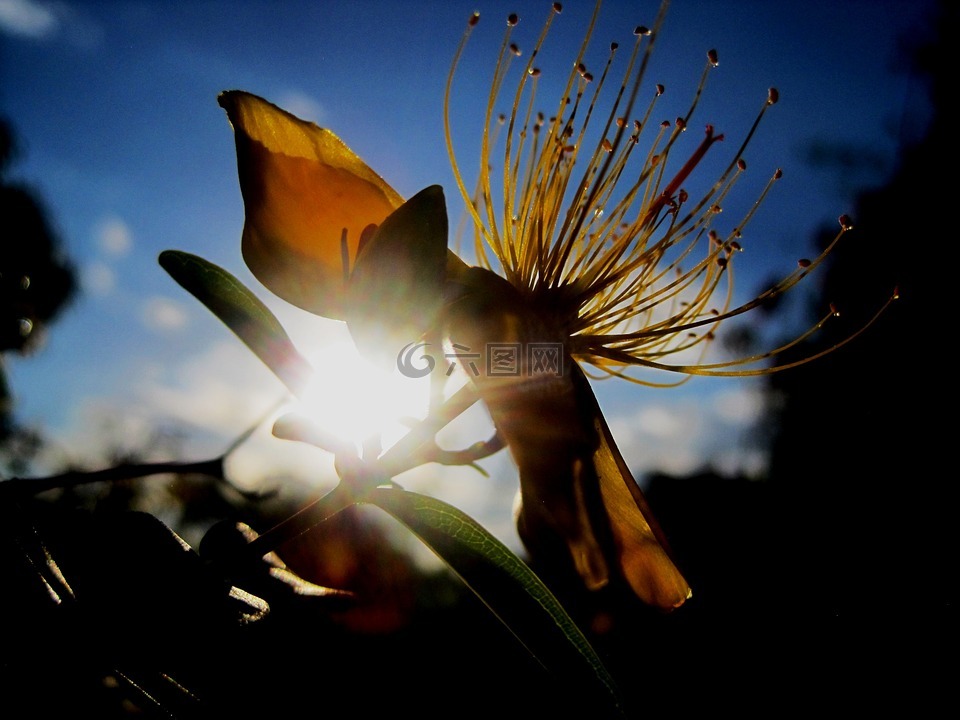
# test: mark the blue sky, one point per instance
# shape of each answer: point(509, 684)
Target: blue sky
point(115, 107)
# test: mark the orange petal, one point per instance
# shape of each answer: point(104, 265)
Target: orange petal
point(640, 544)
point(303, 188)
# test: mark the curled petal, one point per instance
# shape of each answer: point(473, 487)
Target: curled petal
point(307, 199)
point(640, 545)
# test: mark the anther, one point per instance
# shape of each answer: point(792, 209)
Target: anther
point(778, 174)
point(773, 95)
point(681, 123)
point(515, 50)
point(846, 222)
point(722, 262)
point(557, 8)
point(896, 293)
point(682, 196)
point(660, 89)
point(712, 57)
point(606, 145)
point(474, 19)
point(535, 72)
point(641, 30)
point(665, 124)
point(501, 118)
point(614, 46)
point(834, 311)
point(512, 20)
point(741, 164)
point(803, 263)
point(582, 69)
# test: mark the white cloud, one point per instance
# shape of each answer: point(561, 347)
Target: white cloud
point(113, 236)
point(164, 314)
point(664, 437)
point(688, 434)
point(660, 421)
point(302, 105)
point(47, 21)
point(739, 407)
point(740, 461)
point(221, 390)
point(222, 393)
point(28, 19)
point(98, 278)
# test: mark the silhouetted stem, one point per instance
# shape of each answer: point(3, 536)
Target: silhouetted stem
point(127, 471)
point(308, 517)
point(358, 476)
point(405, 454)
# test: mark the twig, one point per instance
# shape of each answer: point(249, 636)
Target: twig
point(126, 471)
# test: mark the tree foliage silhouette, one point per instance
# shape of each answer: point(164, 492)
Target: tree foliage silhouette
point(36, 280)
point(863, 437)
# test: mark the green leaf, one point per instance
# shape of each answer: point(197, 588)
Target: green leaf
point(241, 311)
point(507, 587)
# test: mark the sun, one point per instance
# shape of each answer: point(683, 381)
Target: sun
point(354, 400)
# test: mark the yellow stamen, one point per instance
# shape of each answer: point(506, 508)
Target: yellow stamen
point(603, 249)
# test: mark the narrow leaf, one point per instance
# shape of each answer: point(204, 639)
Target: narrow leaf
point(507, 587)
point(241, 311)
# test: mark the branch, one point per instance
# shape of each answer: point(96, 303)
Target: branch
point(127, 471)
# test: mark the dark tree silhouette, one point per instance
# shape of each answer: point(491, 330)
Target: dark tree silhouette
point(833, 582)
point(36, 280)
point(864, 436)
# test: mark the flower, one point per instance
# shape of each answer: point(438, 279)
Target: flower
point(590, 252)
